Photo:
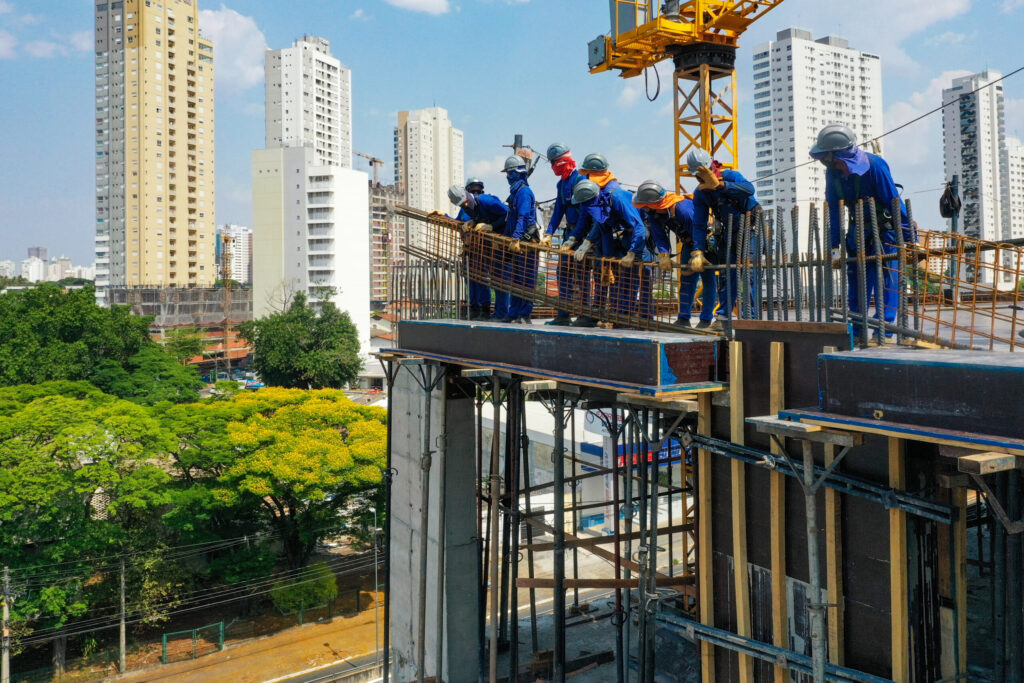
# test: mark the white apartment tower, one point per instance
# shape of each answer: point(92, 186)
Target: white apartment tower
point(234, 252)
point(154, 146)
point(800, 86)
point(429, 158)
point(310, 208)
point(309, 101)
point(1013, 184)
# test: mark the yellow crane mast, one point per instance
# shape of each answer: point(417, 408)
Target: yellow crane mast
point(700, 37)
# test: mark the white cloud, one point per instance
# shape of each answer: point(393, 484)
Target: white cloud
point(6, 7)
point(44, 49)
point(1011, 5)
point(7, 43)
point(81, 40)
point(948, 38)
point(238, 44)
point(359, 14)
point(428, 6)
point(31, 19)
point(254, 110)
point(629, 96)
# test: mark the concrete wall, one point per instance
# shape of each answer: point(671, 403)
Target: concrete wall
point(454, 415)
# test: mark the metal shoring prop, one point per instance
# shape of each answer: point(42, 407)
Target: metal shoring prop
point(495, 486)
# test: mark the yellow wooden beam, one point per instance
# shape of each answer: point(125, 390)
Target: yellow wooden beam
point(740, 571)
point(899, 618)
point(704, 561)
point(777, 495)
point(834, 567)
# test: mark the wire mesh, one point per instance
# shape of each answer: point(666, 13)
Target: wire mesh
point(944, 289)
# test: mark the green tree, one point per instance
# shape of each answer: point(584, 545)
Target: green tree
point(184, 343)
point(149, 377)
point(49, 334)
point(304, 349)
point(315, 587)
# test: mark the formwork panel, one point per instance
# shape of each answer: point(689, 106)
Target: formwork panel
point(650, 359)
point(971, 391)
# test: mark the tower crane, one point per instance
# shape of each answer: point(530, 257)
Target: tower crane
point(374, 163)
point(700, 37)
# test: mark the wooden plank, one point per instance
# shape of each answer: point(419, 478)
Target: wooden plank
point(768, 424)
point(790, 326)
point(899, 612)
point(738, 473)
point(678, 581)
point(960, 574)
point(539, 385)
point(834, 567)
point(936, 435)
point(988, 463)
point(777, 524)
point(706, 599)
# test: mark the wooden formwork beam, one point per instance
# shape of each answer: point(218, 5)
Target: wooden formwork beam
point(777, 494)
point(740, 571)
point(706, 598)
point(899, 616)
point(834, 567)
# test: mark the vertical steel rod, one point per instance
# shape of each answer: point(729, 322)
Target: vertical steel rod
point(819, 643)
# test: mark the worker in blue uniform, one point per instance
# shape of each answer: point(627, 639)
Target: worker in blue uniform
point(729, 197)
point(852, 175)
point(483, 212)
point(668, 213)
point(616, 225)
point(520, 226)
point(573, 278)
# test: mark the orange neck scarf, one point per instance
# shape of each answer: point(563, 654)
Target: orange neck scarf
point(666, 203)
point(602, 178)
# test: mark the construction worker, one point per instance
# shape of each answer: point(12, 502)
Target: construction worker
point(670, 213)
point(616, 225)
point(474, 185)
point(852, 175)
point(729, 197)
point(520, 226)
point(483, 212)
point(573, 280)
point(595, 167)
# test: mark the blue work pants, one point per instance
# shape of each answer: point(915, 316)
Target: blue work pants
point(524, 276)
point(688, 290)
point(886, 302)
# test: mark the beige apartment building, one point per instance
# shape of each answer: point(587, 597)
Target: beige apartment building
point(155, 219)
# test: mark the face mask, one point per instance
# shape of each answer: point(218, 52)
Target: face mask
point(471, 202)
point(598, 211)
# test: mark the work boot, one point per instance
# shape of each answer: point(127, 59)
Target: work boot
point(560, 319)
point(524, 320)
point(704, 324)
point(715, 326)
point(584, 321)
point(474, 313)
point(682, 322)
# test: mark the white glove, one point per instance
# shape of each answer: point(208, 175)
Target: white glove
point(568, 244)
point(582, 251)
point(545, 241)
point(628, 259)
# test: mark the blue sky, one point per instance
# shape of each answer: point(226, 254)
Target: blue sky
point(499, 66)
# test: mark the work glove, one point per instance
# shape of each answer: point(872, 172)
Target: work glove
point(836, 261)
point(697, 261)
point(581, 253)
point(515, 247)
point(467, 226)
point(628, 259)
point(545, 241)
point(435, 214)
point(665, 261)
point(484, 227)
point(708, 180)
point(568, 244)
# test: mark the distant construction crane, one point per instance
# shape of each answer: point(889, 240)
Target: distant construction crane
point(700, 36)
point(374, 163)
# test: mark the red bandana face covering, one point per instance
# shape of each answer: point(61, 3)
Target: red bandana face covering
point(563, 166)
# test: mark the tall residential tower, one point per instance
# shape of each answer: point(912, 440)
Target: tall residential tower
point(800, 86)
point(155, 217)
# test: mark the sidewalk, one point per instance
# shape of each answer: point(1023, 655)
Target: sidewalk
point(291, 651)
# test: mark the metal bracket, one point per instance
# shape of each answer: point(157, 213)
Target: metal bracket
point(1011, 526)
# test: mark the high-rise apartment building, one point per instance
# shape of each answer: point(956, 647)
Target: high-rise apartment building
point(800, 86)
point(41, 253)
point(973, 132)
point(33, 269)
point(155, 217)
point(429, 158)
point(234, 252)
point(387, 237)
point(309, 101)
point(1013, 188)
point(310, 208)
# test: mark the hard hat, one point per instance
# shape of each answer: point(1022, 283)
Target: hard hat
point(833, 138)
point(584, 191)
point(556, 150)
point(595, 163)
point(514, 163)
point(697, 158)
point(456, 195)
point(649, 192)
point(474, 185)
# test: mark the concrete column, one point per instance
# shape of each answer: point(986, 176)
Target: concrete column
point(460, 573)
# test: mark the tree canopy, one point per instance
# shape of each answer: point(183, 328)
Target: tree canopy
point(302, 348)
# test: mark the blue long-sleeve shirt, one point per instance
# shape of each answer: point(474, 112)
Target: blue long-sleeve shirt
point(734, 199)
point(522, 211)
point(679, 220)
point(489, 209)
point(624, 230)
point(563, 204)
point(876, 182)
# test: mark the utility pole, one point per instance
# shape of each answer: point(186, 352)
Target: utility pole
point(122, 663)
point(5, 669)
